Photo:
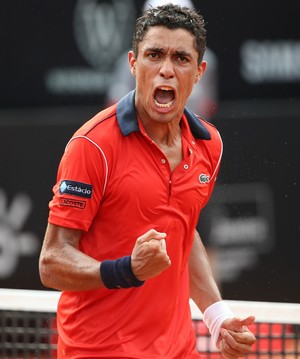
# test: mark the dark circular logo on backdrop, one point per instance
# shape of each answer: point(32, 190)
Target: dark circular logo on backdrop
point(103, 30)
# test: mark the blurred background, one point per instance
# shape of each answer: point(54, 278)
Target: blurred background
point(63, 61)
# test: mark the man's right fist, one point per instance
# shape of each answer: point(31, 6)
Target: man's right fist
point(149, 256)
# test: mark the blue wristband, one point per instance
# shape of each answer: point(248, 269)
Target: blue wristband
point(116, 274)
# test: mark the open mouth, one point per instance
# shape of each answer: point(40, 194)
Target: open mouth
point(164, 97)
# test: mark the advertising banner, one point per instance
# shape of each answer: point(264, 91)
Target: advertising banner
point(68, 52)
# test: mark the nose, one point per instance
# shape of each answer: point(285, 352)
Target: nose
point(167, 68)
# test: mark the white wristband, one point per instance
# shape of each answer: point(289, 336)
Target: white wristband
point(214, 316)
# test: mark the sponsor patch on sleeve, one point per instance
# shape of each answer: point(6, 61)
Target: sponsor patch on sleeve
point(70, 202)
point(76, 188)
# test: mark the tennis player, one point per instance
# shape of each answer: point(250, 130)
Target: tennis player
point(121, 243)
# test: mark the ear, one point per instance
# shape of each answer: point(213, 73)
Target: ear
point(200, 71)
point(132, 62)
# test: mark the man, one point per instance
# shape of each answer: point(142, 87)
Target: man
point(121, 241)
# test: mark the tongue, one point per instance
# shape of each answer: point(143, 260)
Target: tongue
point(163, 96)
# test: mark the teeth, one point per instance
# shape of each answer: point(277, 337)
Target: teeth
point(164, 105)
point(165, 88)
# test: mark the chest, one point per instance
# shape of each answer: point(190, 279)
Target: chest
point(150, 177)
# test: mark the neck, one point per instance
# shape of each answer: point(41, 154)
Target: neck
point(168, 140)
point(163, 134)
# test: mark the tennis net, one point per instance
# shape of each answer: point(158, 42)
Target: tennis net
point(28, 326)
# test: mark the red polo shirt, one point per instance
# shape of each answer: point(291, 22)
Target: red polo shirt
point(115, 184)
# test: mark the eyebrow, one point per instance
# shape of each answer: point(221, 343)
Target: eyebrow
point(161, 50)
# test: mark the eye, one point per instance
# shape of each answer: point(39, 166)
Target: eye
point(182, 58)
point(153, 55)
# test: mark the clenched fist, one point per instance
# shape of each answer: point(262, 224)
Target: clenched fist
point(149, 256)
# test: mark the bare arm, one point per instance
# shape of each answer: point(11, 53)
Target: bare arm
point(64, 267)
point(235, 338)
point(203, 288)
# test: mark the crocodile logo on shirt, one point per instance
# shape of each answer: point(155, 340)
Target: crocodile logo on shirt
point(203, 178)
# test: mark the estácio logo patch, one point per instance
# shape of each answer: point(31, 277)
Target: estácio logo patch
point(76, 188)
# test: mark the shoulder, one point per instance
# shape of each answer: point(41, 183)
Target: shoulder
point(101, 131)
point(96, 124)
point(213, 131)
point(212, 147)
point(214, 139)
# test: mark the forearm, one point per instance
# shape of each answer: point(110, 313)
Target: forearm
point(203, 288)
point(237, 339)
point(70, 271)
point(63, 267)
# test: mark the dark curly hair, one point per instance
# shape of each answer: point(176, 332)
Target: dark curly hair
point(173, 17)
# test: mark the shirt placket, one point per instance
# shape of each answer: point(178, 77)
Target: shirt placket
point(184, 167)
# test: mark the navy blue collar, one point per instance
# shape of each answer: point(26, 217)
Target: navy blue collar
point(128, 122)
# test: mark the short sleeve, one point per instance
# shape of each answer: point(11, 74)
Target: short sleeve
point(81, 181)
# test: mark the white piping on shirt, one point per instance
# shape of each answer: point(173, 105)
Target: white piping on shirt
point(106, 163)
point(221, 154)
point(101, 151)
